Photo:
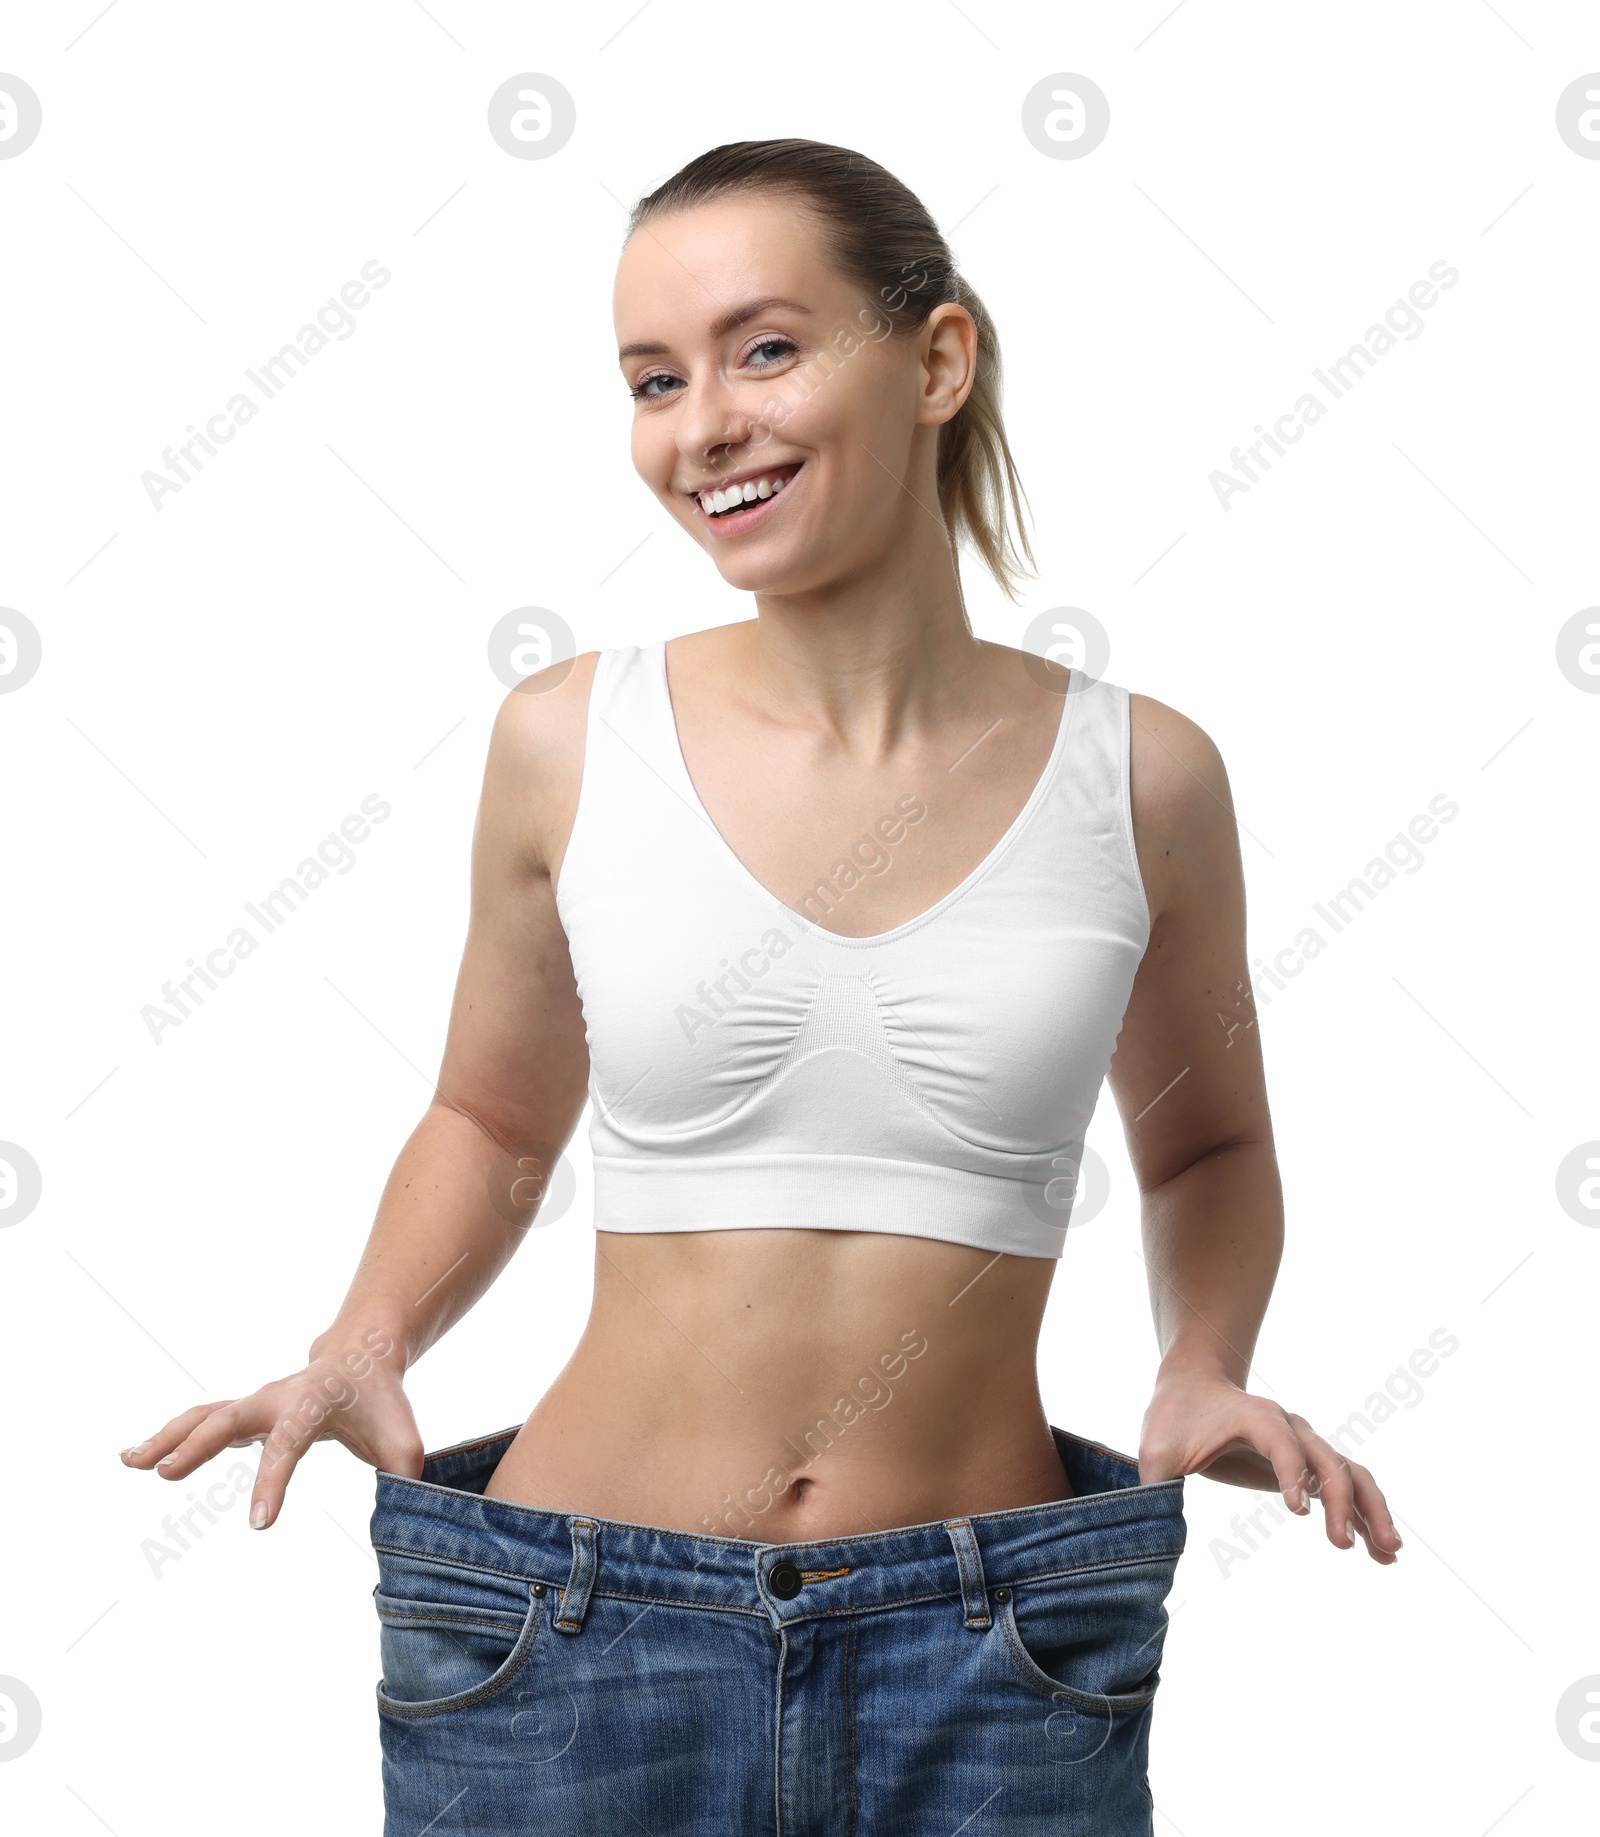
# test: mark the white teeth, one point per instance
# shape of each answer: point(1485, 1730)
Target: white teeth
point(714, 503)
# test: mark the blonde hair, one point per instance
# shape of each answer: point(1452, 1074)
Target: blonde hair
point(881, 236)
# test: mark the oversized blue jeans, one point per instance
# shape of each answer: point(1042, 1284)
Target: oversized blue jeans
point(554, 1672)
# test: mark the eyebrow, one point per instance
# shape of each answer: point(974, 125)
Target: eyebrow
point(719, 329)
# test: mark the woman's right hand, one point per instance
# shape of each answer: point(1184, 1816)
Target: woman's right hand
point(350, 1392)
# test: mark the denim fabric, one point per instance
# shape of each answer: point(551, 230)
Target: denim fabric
point(556, 1673)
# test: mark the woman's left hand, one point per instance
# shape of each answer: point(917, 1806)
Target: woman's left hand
point(1202, 1422)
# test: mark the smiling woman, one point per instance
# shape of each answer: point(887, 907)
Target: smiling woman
point(712, 1582)
point(887, 271)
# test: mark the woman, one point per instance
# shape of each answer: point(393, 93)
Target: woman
point(838, 914)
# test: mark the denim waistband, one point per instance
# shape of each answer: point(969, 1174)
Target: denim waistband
point(1111, 1523)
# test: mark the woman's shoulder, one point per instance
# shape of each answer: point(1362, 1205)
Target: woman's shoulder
point(1172, 748)
point(541, 723)
point(1182, 804)
point(534, 769)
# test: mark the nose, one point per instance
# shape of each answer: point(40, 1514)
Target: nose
point(713, 424)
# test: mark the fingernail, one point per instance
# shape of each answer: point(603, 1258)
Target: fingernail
point(258, 1514)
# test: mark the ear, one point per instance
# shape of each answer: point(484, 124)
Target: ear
point(949, 363)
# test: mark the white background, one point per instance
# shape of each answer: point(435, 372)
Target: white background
point(223, 680)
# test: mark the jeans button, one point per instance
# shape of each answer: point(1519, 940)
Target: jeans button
point(784, 1581)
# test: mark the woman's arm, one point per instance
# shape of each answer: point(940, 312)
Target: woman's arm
point(1188, 1080)
point(467, 1183)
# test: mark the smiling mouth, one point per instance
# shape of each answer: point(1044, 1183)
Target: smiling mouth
point(734, 502)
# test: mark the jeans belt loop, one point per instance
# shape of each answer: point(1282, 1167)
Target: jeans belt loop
point(580, 1579)
point(974, 1596)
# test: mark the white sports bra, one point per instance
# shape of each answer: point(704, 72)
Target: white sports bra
point(750, 1068)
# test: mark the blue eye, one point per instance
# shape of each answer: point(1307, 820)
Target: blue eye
point(642, 392)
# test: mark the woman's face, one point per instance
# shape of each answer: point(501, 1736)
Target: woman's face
point(762, 376)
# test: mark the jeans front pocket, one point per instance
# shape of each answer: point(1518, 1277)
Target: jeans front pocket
point(451, 1636)
point(1090, 1638)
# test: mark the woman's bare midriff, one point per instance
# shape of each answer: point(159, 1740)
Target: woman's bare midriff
point(783, 1385)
